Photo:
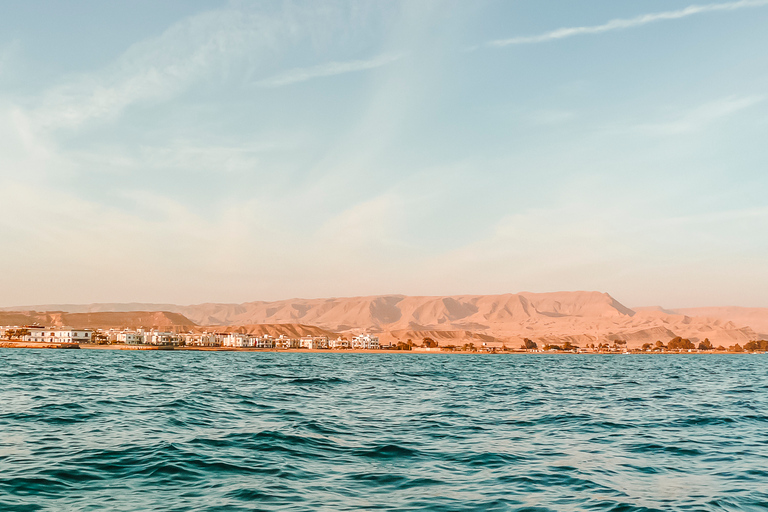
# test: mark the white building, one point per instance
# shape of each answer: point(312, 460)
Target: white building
point(236, 340)
point(58, 335)
point(129, 337)
point(366, 342)
point(264, 342)
point(206, 339)
point(285, 342)
point(338, 343)
point(160, 338)
point(314, 342)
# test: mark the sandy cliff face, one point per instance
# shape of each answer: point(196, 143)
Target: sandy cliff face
point(578, 317)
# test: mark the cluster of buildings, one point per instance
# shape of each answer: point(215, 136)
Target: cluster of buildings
point(206, 339)
point(241, 340)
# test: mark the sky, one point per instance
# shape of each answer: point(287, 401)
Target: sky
point(214, 151)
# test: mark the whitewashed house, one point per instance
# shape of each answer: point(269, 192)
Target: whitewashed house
point(365, 342)
point(160, 338)
point(236, 340)
point(264, 342)
point(285, 342)
point(314, 342)
point(58, 335)
point(339, 343)
point(128, 337)
point(206, 339)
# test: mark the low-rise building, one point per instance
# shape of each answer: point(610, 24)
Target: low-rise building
point(365, 342)
point(206, 339)
point(339, 343)
point(265, 342)
point(237, 340)
point(285, 342)
point(160, 338)
point(314, 342)
point(58, 335)
point(128, 337)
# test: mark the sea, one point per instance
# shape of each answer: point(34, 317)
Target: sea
point(95, 430)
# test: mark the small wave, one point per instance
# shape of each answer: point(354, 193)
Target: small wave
point(251, 495)
point(317, 380)
point(32, 486)
point(646, 448)
point(704, 421)
point(389, 451)
point(7, 506)
point(381, 478)
point(488, 460)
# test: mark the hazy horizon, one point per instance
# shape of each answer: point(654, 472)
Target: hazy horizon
point(218, 151)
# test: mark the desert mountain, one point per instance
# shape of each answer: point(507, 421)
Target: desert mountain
point(100, 320)
point(756, 318)
point(579, 317)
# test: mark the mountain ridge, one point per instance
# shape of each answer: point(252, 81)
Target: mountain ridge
point(577, 316)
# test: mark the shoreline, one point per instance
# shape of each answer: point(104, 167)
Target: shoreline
point(92, 346)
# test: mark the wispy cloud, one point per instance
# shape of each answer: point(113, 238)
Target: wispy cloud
point(296, 75)
point(210, 44)
point(155, 69)
point(624, 23)
point(702, 116)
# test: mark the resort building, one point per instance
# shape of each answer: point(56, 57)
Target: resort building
point(366, 342)
point(128, 337)
point(160, 338)
point(314, 342)
point(237, 340)
point(58, 335)
point(264, 342)
point(339, 343)
point(206, 339)
point(285, 342)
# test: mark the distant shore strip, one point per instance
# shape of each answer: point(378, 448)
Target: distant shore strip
point(37, 336)
point(11, 344)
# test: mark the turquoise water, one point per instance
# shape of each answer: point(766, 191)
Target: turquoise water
point(207, 431)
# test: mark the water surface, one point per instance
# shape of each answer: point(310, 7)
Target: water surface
point(221, 431)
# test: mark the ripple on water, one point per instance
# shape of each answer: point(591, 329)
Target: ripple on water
point(130, 431)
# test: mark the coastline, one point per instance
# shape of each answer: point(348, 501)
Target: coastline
point(11, 344)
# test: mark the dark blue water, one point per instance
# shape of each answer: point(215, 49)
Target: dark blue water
point(119, 430)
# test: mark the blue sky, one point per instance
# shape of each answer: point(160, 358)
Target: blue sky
point(190, 151)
